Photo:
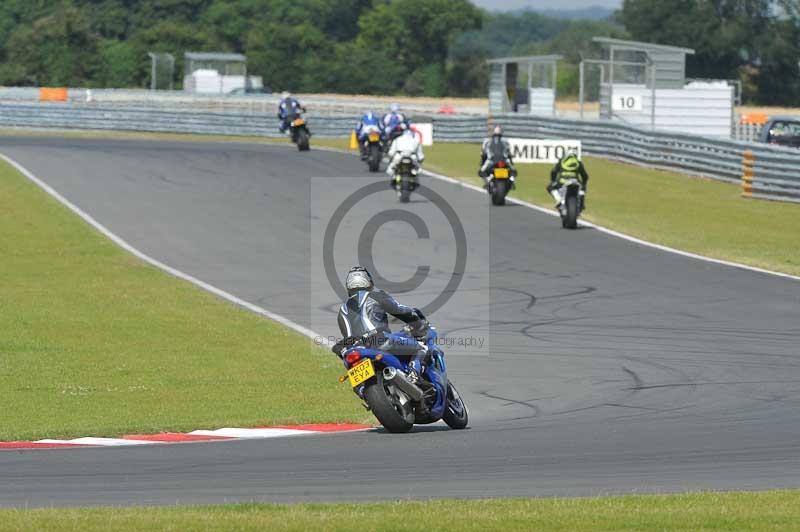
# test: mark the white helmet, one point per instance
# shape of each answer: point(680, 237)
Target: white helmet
point(285, 94)
point(358, 278)
point(497, 131)
point(395, 108)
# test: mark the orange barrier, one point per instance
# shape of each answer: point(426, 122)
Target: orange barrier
point(758, 119)
point(53, 94)
point(747, 173)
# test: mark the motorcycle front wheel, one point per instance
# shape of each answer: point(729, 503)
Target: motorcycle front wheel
point(388, 407)
point(455, 411)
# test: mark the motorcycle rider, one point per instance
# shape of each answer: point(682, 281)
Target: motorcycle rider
point(364, 318)
point(392, 123)
point(287, 109)
point(568, 167)
point(406, 145)
point(494, 150)
point(368, 123)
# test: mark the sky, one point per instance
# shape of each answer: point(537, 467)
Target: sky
point(546, 4)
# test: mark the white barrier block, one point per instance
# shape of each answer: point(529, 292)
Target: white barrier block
point(542, 151)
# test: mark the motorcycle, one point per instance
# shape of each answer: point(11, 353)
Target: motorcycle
point(299, 132)
point(373, 149)
point(500, 182)
point(380, 380)
point(572, 202)
point(405, 179)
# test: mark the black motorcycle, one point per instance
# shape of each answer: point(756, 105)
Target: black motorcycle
point(373, 150)
point(405, 179)
point(299, 132)
point(500, 182)
point(572, 202)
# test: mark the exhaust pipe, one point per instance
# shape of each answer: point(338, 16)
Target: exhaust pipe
point(413, 391)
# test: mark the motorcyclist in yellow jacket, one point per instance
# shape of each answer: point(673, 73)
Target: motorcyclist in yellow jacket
point(568, 167)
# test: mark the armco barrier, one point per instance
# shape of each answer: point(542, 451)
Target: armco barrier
point(70, 116)
point(765, 171)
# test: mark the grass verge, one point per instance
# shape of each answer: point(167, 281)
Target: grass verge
point(698, 215)
point(95, 342)
point(775, 510)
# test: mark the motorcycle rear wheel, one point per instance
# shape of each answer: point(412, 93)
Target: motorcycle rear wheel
point(572, 212)
point(303, 143)
point(455, 411)
point(394, 416)
point(499, 192)
point(374, 157)
point(404, 192)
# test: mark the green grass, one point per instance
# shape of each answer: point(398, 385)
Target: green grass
point(95, 342)
point(692, 214)
point(775, 510)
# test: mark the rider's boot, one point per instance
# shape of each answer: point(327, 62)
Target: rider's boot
point(557, 197)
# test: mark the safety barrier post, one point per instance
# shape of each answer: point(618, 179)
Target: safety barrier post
point(747, 173)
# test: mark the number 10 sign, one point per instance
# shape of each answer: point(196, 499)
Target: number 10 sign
point(627, 101)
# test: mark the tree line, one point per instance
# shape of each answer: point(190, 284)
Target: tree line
point(414, 47)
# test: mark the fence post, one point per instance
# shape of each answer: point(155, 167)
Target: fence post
point(747, 173)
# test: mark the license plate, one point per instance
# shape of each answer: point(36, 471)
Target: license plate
point(501, 173)
point(374, 137)
point(299, 122)
point(361, 372)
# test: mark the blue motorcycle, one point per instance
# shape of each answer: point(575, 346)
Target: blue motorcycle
point(380, 379)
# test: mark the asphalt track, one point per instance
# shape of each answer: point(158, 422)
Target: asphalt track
point(610, 367)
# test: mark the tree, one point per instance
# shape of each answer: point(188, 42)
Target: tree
point(419, 34)
point(57, 49)
point(746, 39)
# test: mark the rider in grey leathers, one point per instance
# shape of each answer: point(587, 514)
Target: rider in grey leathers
point(364, 318)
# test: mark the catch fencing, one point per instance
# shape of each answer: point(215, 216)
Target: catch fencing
point(764, 171)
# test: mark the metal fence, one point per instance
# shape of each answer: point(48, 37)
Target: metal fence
point(764, 171)
point(71, 116)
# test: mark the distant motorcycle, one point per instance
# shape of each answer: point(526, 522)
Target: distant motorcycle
point(380, 380)
point(572, 202)
point(499, 183)
point(405, 179)
point(373, 149)
point(299, 132)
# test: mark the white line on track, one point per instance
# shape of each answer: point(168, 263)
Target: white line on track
point(158, 264)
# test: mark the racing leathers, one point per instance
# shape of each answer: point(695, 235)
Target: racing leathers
point(569, 167)
point(406, 145)
point(369, 123)
point(364, 318)
point(494, 150)
point(287, 110)
point(393, 124)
